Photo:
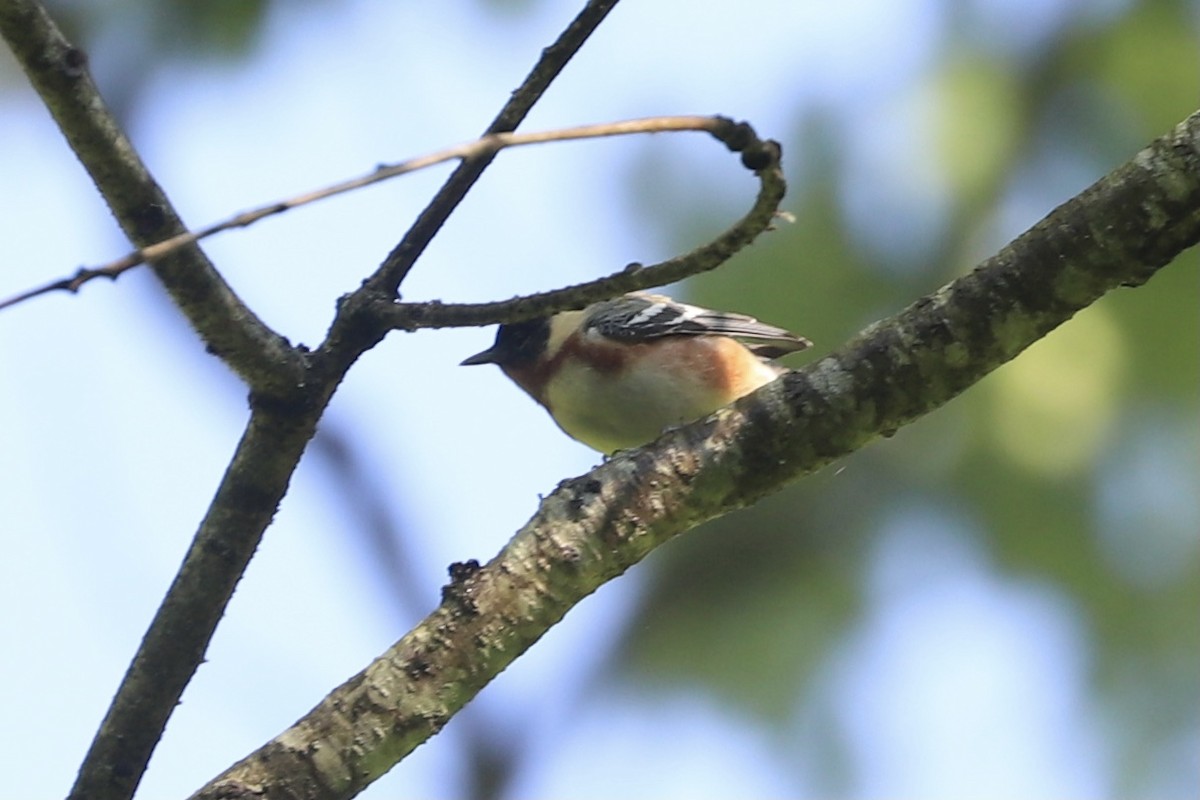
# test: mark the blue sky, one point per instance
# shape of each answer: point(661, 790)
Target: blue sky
point(119, 427)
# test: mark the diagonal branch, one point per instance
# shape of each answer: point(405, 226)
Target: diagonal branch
point(1118, 232)
point(58, 71)
point(174, 644)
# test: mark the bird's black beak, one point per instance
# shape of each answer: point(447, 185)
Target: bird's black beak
point(488, 356)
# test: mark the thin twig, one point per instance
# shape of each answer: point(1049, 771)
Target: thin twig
point(485, 146)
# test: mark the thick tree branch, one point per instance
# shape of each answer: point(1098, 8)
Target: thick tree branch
point(593, 528)
point(58, 71)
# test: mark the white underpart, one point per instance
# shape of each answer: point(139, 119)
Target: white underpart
point(612, 412)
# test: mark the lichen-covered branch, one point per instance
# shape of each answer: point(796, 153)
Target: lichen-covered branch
point(593, 528)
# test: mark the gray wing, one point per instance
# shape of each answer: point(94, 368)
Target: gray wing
point(640, 316)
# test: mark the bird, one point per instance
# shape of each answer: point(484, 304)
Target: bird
point(616, 374)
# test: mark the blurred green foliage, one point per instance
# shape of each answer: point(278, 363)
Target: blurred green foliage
point(130, 41)
point(172, 29)
point(1062, 458)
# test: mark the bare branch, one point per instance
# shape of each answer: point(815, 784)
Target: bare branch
point(484, 147)
point(58, 71)
point(1117, 233)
